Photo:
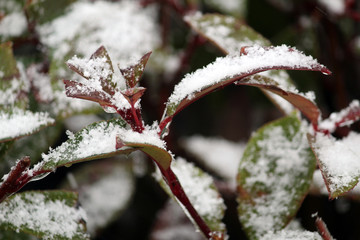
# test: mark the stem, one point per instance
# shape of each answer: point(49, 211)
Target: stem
point(176, 188)
point(139, 126)
point(322, 229)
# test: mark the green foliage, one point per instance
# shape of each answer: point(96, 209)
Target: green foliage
point(274, 176)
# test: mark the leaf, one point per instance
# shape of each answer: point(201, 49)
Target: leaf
point(227, 33)
point(98, 140)
point(133, 73)
point(274, 176)
point(235, 8)
point(292, 234)
point(231, 68)
point(105, 189)
point(16, 123)
point(343, 118)
point(8, 68)
point(201, 191)
point(48, 214)
point(231, 35)
point(46, 10)
point(303, 102)
point(338, 161)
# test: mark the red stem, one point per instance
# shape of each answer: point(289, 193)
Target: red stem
point(322, 229)
point(176, 188)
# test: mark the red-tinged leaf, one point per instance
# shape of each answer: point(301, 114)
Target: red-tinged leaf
point(162, 157)
point(133, 73)
point(107, 83)
point(78, 90)
point(343, 118)
point(133, 94)
point(299, 100)
point(232, 68)
point(274, 176)
point(338, 161)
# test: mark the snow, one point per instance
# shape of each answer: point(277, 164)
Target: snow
point(339, 159)
point(280, 162)
point(330, 123)
point(220, 155)
point(99, 140)
point(200, 190)
point(104, 198)
point(292, 234)
point(337, 7)
point(31, 210)
point(222, 31)
point(13, 24)
point(41, 82)
point(19, 122)
point(235, 65)
point(125, 29)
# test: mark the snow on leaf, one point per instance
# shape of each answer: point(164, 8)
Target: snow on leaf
point(231, 68)
point(95, 141)
point(343, 118)
point(105, 189)
point(291, 234)
point(274, 176)
point(86, 25)
point(338, 161)
point(226, 32)
point(49, 215)
point(133, 73)
point(201, 191)
point(230, 35)
point(16, 123)
point(219, 155)
point(302, 101)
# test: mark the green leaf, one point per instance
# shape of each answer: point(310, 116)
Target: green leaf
point(16, 123)
point(236, 8)
point(13, 235)
point(48, 214)
point(13, 87)
point(201, 191)
point(338, 160)
point(42, 11)
point(8, 68)
point(274, 176)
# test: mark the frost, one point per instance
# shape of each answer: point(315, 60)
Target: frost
point(125, 28)
point(339, 159)
point(13, 24)
point(220, 155)
point(104, 198)
point(19, 122)
point(235, 65)
point(33, 211)
point(334, 6)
